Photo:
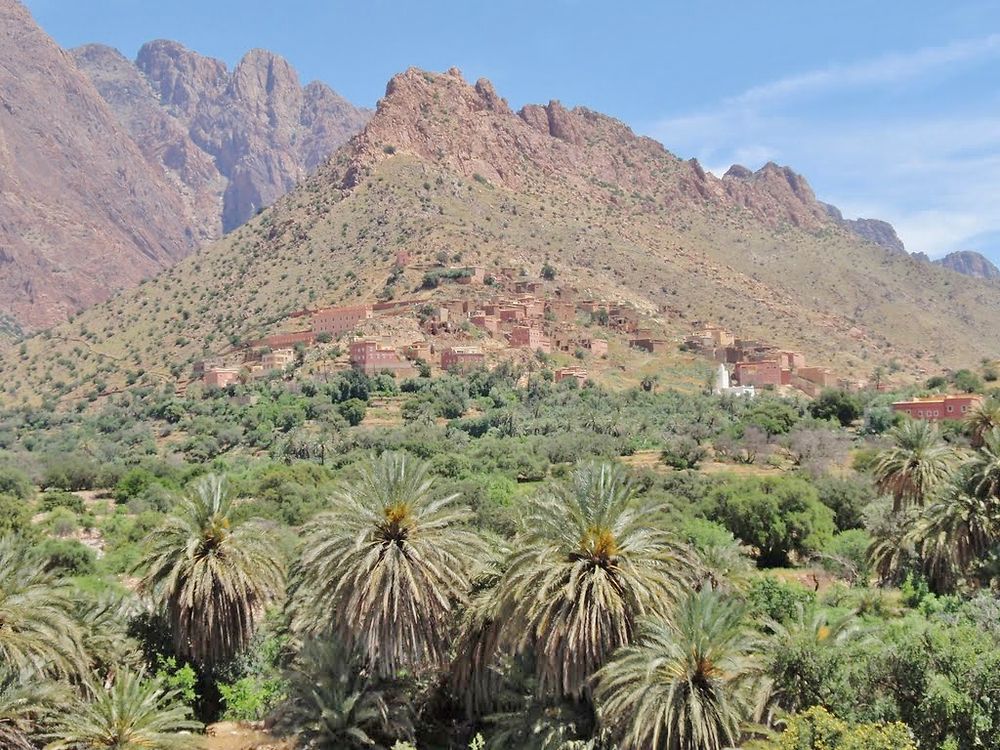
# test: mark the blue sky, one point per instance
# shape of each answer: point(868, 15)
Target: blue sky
point(891, 109)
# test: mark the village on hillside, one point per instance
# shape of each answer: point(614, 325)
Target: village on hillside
point(489, 316)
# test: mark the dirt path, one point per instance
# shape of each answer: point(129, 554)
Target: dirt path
point(228, 735)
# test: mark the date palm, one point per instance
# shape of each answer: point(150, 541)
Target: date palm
point(587, 565)
point(211, 577)
point(134, 713)
point(37, 629)
point(26, 698)
point(384, 568)
point(333, 703)
point(982, 419)
point(916, 464)
point(960, 525)
point(690, 681)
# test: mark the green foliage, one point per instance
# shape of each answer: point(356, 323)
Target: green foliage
point(818, 729)
point(836, 404)
point(182, 680)
point(15, 516)
point(14, 483)
point(771, 599)
point(776, 515)
point(251, 698)
point(68, 557)
point(353, 410)
point(56, 499)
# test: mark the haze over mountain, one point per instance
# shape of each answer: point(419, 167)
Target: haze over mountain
point(447, 166)
point(112, 170)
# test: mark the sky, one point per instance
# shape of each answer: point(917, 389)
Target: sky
point(890, 109)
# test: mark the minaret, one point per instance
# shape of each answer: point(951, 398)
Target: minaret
point(721, 380)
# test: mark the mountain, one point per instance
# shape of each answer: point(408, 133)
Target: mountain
point(879, 232)
point(445, 168)
point(82, 213)
point(233, 141)
point(111, 170)
point(969, 263)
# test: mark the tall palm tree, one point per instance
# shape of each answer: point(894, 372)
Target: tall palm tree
point(212, 578)
point(953, 532)
point(134, 713)
point(981, 420)
point(587, 565)
point(384, 568)
point(918, 462)
point(37, 629)
point(983, 468)
point(690, 681)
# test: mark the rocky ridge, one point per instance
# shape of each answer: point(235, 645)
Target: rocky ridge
point(969, 263)
point(234, 141)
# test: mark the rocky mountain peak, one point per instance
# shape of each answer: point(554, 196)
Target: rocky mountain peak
point(970, 263)
point(183, 79)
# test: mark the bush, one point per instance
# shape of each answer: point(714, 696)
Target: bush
point(818, 729)
point(353, 410)
point(15, 516)
point(15, 484)
point(776, 515)
point(68, 557)
point(682, 452)
point(70, 472)
point(57, 499)
point(836, 404)
point(251, 698)
point(771, 599)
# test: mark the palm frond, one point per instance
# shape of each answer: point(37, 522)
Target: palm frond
point(384, 569)
point(213, 579)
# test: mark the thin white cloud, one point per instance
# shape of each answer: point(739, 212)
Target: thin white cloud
point(935, 177)
point(881, 71)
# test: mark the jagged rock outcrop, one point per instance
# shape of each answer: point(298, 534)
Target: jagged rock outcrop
point(82, 212)
point(234, 141)
point(882, 233)
point(969, 263)
point(164, 140)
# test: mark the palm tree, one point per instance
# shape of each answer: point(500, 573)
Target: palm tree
point(134, 713)
point(25, 699)
point(37, 628)
point(981, 420)
point(384, 568)
point(953, 532)
point(689, 683)
point(587, 565)
point(333, 703)
point(917, 463)
point(983, 469)
point(212, 578)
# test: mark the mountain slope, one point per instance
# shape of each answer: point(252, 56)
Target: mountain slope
point(445, 166)
point(81, 212)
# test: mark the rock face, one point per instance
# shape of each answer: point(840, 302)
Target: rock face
point(969, 263)
point(235, 141)
point(111, 170)
point(82, 212)
point(882, 233)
